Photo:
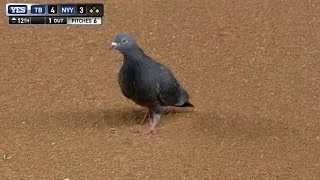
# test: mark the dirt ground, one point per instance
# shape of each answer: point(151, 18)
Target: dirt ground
point(251, 68)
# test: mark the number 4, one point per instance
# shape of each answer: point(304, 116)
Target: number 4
point(53, 10)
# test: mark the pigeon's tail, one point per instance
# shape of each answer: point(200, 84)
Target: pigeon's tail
point(187, 104)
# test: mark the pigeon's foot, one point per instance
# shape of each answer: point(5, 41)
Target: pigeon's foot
point(152, 128)
point(149, 131)
point(146, 116)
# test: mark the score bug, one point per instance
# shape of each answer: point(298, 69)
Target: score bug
point(73, 14)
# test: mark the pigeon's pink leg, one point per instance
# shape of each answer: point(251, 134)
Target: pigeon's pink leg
point(152, 128)
point(146, 116)
point(149, 130)
point(153, 124)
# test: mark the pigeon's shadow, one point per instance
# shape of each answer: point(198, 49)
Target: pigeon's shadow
point(132, 116)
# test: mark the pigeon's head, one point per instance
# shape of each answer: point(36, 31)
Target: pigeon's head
point(123, 42)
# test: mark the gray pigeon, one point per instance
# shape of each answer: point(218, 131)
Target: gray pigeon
point(147, 82)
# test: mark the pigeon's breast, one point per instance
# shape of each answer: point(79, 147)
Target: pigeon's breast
point(145, 86)
point(126, 81)
point(137, 84)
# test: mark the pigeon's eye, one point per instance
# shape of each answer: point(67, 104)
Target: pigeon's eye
point(124, 41)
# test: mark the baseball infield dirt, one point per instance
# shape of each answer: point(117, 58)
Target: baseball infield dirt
point(252, 69)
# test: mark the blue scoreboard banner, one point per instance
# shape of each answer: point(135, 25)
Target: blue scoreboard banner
point(28, 13)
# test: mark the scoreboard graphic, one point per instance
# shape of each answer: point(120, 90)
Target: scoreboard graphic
point(74, 14)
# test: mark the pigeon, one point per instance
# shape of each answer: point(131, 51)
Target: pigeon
point(147, 82)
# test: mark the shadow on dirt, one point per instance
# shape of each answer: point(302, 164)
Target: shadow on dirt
point(101, 118)
point(133, 116)
point(225, 125)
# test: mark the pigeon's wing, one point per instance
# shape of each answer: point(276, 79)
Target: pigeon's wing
point(169, 91)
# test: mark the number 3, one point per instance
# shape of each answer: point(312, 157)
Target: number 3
point(81, 10)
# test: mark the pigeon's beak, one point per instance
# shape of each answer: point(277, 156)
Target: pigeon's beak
point(114, 45)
